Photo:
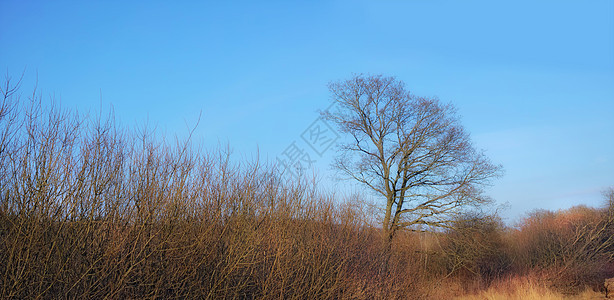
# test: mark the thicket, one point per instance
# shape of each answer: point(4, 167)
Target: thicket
point(567, 251)
point(92, 210)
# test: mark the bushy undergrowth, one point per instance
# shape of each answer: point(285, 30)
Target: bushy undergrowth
point(91, 210)
point(567, 251)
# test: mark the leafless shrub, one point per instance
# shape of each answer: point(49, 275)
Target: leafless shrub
point(475, 250)
point(571, 248)
point(91, 210)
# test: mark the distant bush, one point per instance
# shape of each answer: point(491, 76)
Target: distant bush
point(571, 248)
point(475, 249)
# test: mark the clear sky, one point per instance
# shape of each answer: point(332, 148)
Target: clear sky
point(532, 80)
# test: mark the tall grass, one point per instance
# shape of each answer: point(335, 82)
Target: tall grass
point(527, 288)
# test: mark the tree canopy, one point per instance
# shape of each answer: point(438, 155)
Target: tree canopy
point(411, 150)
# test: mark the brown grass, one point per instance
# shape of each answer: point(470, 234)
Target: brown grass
point(527, 288)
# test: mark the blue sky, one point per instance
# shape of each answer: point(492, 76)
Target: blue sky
point(532, 80)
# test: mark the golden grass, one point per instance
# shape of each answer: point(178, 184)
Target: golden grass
point(526, 288)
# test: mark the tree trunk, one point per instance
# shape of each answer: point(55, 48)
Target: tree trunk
point(388, 232)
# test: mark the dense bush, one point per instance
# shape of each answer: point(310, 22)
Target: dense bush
point(570, 248)
point(90, 210)
point(475, 249)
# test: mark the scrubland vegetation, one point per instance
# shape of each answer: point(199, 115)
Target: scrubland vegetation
point(92, 210)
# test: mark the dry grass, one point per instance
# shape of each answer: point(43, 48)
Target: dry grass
point(527, 288)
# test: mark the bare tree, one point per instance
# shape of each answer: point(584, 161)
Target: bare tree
point(410, 150)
